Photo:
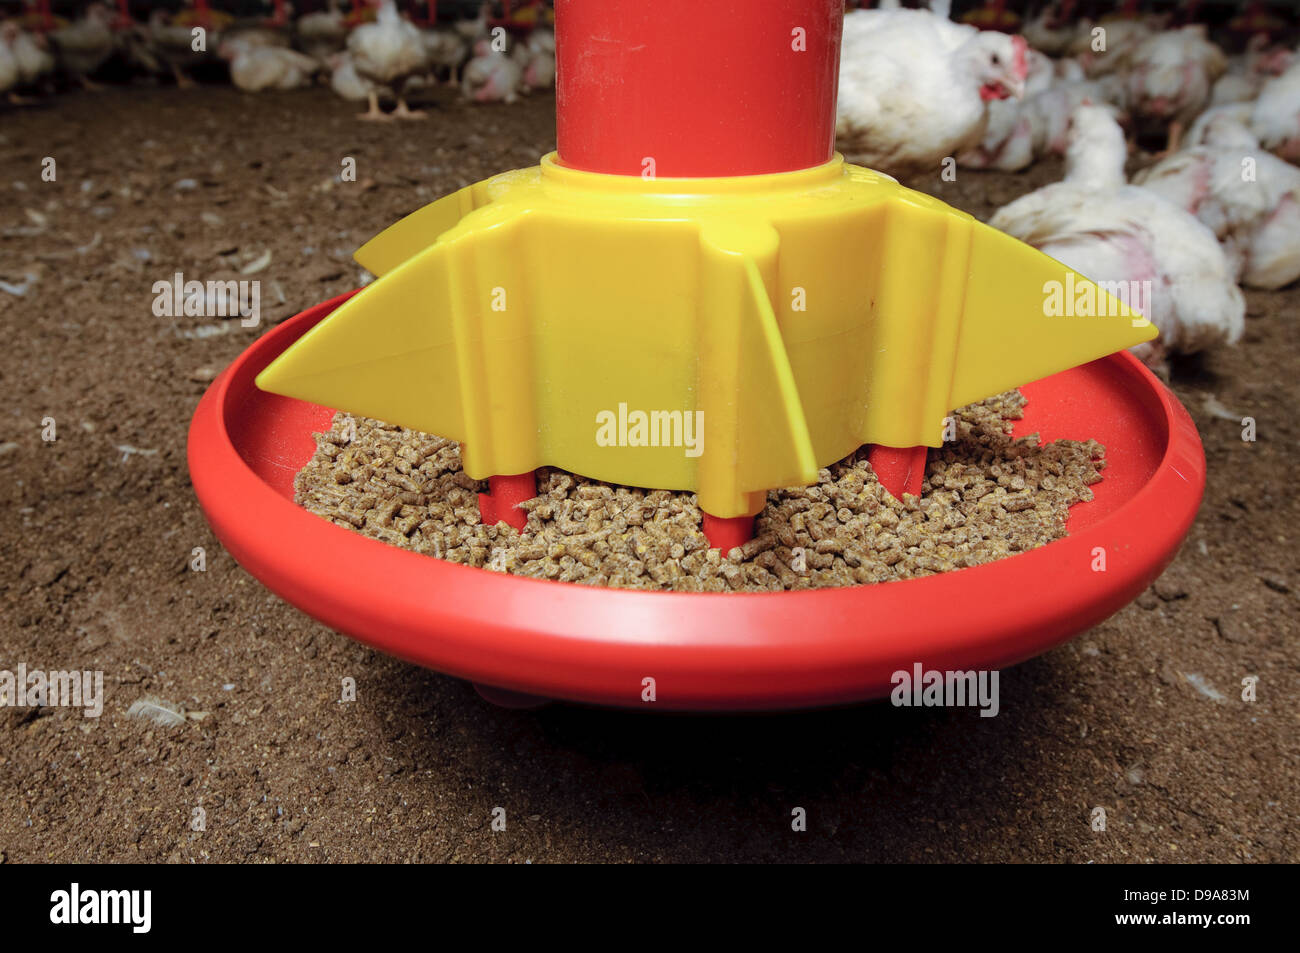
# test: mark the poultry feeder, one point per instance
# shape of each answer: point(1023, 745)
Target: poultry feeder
point(993, 15)
point(520, 17)
point(654, 261)
point(38, 16)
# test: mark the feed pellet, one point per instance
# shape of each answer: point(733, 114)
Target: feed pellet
point(986, 496)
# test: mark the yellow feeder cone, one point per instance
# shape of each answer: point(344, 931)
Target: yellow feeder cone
point(407, 238)
point(726, 336)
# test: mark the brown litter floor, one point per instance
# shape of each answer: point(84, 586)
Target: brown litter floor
point(985, 497)
point(1142, 715)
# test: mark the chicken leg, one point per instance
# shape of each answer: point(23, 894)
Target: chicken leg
point(405, 112)
point(1175, 137)
point(182, 80)
point(374, 113)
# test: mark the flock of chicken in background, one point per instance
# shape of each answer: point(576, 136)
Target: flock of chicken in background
point(380, 53)
point(917, 90)
point(1219, 206)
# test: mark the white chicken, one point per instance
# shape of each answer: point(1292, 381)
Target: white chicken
point(542, 40)
point(388, 53)
point(345, 81)
point(914, 87)
point(1201, 132)
point(1248, 198)
point(446, 50)
point(1171, 76)
point(1048, 112)
point(473, 30)
point(254, 67)
point(1008, 141)
point(33, 60)
point(1069, 71)
point(174, 43)
point(1112, 232)
point(1052, 30)
point(322, 33)
point(278, 30)
point(1275, 118)
point(1040, 72)
point(84, 45)
point(8, 62)
point(1108, 47)
point(539, 70)
point(1234, 86)
point(1248, 71)
point(491, 75)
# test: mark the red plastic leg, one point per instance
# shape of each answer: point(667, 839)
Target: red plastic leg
point(727, 533)
point(502, 500)
point(899, 470)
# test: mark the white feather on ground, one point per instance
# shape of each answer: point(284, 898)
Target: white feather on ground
point(164, 713)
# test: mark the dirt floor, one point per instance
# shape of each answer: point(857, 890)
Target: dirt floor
point(1141, 716)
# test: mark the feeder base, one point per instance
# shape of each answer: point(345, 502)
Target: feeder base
point(704, 651)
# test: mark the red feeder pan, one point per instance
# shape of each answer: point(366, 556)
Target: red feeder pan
point(526, 637)
point(626, 90)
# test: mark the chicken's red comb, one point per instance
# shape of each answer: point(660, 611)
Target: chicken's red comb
point(1021, 62)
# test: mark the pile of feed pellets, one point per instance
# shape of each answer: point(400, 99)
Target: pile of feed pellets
point(986, 496)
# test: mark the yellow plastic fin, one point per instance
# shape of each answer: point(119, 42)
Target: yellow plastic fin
point(389, 352)
point(917, 294)
point(411, 235)
point(755, 434)
point(604, 324)
point(1027, 316)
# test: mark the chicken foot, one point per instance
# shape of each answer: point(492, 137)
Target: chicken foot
point(374, 113)
point(405, 112)
point(182, 81)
